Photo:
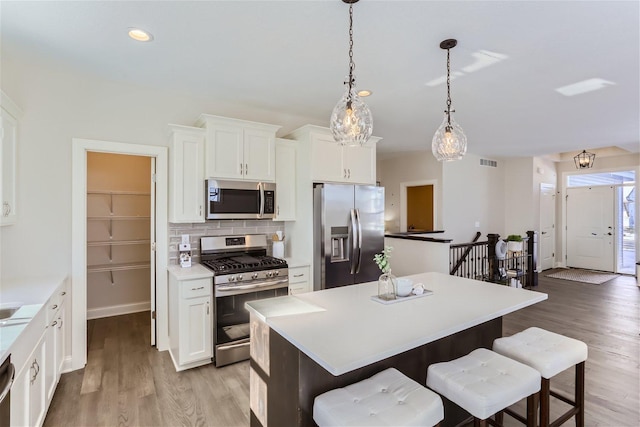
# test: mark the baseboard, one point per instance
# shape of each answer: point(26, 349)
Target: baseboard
point(117, 310)
point(67, 366)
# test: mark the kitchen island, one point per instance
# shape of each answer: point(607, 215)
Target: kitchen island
point(304, 345)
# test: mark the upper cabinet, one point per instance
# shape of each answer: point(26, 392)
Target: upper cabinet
point(331, 162)
point(9, 123)
point(238, 149)
point(186, 174)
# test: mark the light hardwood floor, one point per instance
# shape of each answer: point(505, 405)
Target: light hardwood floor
point(127, 382)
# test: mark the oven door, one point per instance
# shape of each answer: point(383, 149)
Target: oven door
point(239, 200)
point(232, 318)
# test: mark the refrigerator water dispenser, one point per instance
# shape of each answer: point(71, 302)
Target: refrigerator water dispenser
point(339, 242)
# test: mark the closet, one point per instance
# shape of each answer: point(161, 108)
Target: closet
point(119, 226)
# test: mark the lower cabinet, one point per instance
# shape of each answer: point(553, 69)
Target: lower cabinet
point(40, 349)
point(28, 402)
point(299, 280)
point(190, 322)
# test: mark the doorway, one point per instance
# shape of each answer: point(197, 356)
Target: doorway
point(547, 226)
point(158, 260)
point(120, 227)
point(612, 196)
point(418, 206)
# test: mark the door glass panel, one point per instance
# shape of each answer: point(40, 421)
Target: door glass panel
point(626, 218)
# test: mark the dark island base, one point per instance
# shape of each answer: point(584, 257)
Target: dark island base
point(296, 379)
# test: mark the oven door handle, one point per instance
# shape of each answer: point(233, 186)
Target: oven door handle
point(11, 374)
point(221, 289)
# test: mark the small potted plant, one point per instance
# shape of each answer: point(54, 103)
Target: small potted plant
point(514, 243)
point(386, 281)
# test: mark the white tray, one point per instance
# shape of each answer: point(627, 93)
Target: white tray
point(401, 299)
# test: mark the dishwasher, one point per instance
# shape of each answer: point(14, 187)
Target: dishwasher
point(7, 374)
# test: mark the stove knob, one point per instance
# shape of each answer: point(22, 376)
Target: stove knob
point(232, 278)
point(276, 273)
point(268, 274)
point(240, 277)
point(254, 276)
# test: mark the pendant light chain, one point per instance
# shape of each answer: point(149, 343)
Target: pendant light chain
point(448, 89)
point(352, 65)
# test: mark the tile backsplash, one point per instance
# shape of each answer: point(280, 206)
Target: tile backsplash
point(218, 228)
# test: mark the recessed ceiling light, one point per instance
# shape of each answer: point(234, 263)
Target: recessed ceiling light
point(140, 35)
point(584, 86)
point(364, 92)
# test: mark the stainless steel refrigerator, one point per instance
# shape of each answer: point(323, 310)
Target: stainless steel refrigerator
point(348, 223)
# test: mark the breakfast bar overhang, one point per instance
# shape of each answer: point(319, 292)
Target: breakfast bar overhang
point(304, 345)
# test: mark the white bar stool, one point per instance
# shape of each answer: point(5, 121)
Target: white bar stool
point(484, 383)
point(549, 353)
point(388, 398)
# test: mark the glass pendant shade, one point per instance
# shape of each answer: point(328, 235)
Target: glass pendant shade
point(584, 160)
point(449, 142)
point(351, 119)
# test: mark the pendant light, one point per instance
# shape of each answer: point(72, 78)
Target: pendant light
point(584, 160)
point(449, 142)
point(351, 120)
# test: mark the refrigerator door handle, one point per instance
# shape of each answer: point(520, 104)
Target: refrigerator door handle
point(354, 240)
point(359, 225)
point(261, 189)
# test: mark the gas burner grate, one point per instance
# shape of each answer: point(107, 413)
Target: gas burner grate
point(244, 263)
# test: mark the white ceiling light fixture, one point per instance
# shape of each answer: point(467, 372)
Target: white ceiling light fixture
point(351, 120)
point(139, 34)
point(449, 142)
point(584, 86)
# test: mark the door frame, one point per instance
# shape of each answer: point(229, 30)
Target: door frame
point(80, 147)
point(403, 201)
point(551, 187)
point(563, 202)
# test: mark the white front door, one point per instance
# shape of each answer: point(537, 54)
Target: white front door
point(590, 228)
point(547, 226)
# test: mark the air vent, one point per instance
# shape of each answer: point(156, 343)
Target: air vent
point(490, 163)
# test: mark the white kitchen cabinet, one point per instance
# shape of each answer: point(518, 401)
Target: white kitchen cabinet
point(299, 281)
point(331, 162)
point(54, 342)
point(186, 174)
point(238, 149)
point(28, 394)
point(190, 320)
point(285, 180)
point(9, 122)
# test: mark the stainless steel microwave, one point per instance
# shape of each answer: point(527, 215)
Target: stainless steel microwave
point(240, 199)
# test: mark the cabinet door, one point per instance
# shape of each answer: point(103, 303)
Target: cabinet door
point(60, 341)
point(285, 180)
point(259, 155)
point(196, 335)
point(8, 149)
point(37, 398)
point(224, 151)
point(326, 160)
point(50, 362)
point(186, 181)
point(20, 396)
point(360, 164)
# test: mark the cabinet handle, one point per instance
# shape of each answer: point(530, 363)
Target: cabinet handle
point(345, 173)
point(200, 210)
point(55, 322)
point(63, 293)
point(278, 210)
point(349, 170)
point(298, 275)
point(207, 307)
point(35, 373)
point(197, 289)
point(246, 168)
point(6, 208)
point(60, 324)
point(54, 306)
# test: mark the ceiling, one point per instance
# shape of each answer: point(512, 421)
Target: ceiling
point(290, 57)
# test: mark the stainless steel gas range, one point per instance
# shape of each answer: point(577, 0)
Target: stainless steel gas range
point(242, 272)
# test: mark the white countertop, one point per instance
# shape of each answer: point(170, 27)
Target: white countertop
point(29, 294)
point(196, 271)
point(342, 329)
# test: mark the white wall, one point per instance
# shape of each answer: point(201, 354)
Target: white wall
point(60, 104)
point(407, 167)
point(472, 193)
point(519, 205)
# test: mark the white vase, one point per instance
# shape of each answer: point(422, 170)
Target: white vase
point(514, 246)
